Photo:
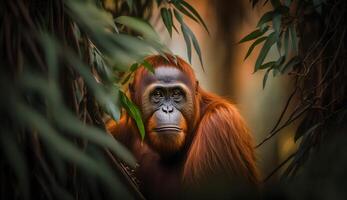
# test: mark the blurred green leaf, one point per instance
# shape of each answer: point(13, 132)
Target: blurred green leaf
point(17, 162)
point(196, 45)
point(134, 67)
point(187, 41)
point(167, 19)
point(265, 18)
point(290, 64)
point(268, 65)
point(317, 4)
point(275, 3)
point(286, 42)
point(148, 66)
point(265, 77)
point(74, 126)
point(195, 13)
point(184, 11)
point(253, 35)
point(294, 38)
point(276, 22)
point(66, 149)
point(258, 41)
point(140, 26)
point(134, 112)
point(272, 38)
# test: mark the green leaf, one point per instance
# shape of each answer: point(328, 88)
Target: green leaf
point(265, 77)
point(276, 22)
point(196, 46)
point(277, 66)
point(64, 148)
point(287, 2)
point(265, 18)
point(167, 19)
point(74, 127)
point(267, 65)
point(184, 11)
point(187, 41)
point(286, 42)
point(178, 17)
point(134, 112)
point(195, 13)
point(258, 41)
point(253, 35)
point(294, 38)
point(272, 38)
point(139, 25)
point(134, 67)
point(317, 4)
point(14, 157)
point(275, 3)
point(186, 37)
point(148, 66)
point(290, 64)
point(127, 78)
point(173, 24)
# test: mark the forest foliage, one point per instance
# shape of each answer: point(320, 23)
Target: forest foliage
point(64, 67)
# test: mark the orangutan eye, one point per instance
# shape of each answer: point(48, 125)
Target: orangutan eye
point(177, 94)
point(156, 95)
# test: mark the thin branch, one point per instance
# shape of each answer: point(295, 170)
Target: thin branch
point(279, 167)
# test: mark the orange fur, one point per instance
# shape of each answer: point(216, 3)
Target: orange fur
point(218, 141)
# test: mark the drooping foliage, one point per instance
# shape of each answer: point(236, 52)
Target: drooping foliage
point(64, 64)
point(309, 37)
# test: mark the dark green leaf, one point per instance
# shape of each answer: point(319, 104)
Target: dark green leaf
point(184, 11)
point(140, 26)
point(173, 24)
point(178, 17)
point(265, 18)
point(275, 3)
point(134, 67)
point(267, 65)
point(294, 38)
point(318, 5)
point(196, 46)
point(271, 40)
point(134, 113)
point(187, 41)
point(265, 77)
point(148, 66)
point(195, 13)
point(286, 42)
point(64, 147)
point(276, 22)
point(258, 41)
point(253, 35)
point(16, 160)
point(292, 63)
point(167, 19)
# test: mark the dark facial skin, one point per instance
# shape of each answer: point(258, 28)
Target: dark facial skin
point(167, 108)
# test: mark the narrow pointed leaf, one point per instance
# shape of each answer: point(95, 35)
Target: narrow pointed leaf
point(167, 20)
point(134, 113)
point(253, 35)
point(265, 50)
point(265, 77)
point(258, 41)
point(195, 13)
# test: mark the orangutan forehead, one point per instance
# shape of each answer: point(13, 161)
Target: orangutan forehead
point(168, 75)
